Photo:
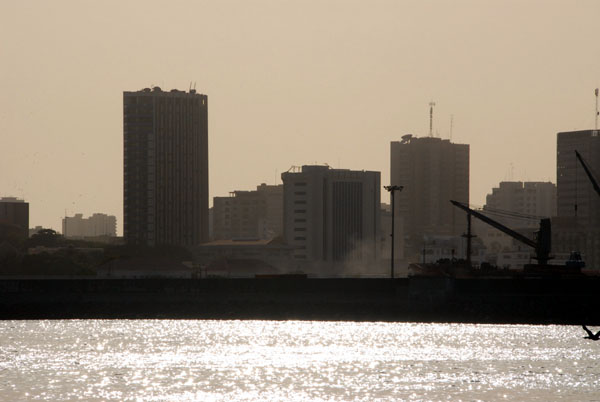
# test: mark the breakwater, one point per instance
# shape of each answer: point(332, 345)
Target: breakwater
point(538, 300)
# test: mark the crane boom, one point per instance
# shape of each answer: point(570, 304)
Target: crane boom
point(588, 172)
point(542, 246)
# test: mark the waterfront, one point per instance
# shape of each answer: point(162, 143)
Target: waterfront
point(293, 360)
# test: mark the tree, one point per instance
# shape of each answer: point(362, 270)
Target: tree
point(47, 238)
point(12, 234)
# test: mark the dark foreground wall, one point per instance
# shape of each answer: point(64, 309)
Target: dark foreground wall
point(533, 300)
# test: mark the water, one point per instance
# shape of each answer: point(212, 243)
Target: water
point(293, 360)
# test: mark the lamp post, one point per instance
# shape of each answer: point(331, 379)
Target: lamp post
point(392, 190)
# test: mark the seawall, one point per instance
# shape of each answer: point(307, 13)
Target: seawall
point(555, 300)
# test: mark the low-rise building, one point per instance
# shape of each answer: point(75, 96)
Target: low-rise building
point(146, 267)
point(244, 258)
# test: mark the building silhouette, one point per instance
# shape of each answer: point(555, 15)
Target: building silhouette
point(96, 225)
point(249, 214)
point(332, 216)
point(533, 198)
point(15, 212)
point(577, 225)
point(165, 167)
point(519, 206)
point(433, 171)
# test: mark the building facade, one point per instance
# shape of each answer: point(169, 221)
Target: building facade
point(249, 214)
point(519, 206)
point(165, 167)
point(577, 226)
point(15, 212)
point(332, 216)
point(432, 171)
point(536, 199)
point(94, 226)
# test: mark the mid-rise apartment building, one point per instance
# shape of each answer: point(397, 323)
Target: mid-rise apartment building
point(94, 226)
point(249, 214)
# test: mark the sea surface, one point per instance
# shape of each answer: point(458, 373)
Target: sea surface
point(195, 360)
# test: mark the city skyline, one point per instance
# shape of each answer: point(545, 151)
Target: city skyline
point(336, 84)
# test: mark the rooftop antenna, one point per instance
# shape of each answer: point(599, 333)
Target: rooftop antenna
point(194, 85)
point(431, 105)
point(597, 113)
point(190, 86)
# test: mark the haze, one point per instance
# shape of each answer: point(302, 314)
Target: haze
point(288, 83)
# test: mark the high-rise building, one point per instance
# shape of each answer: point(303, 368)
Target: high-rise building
point(536, 199)
point(15, 212)
point(519, 206)
point(332, 215)
point(577, 226)
point(165, 167)
point(96, 225)
point(249, 214)
point(573, 186)
point(432, 171)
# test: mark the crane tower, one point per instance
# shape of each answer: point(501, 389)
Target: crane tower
point(597, 113)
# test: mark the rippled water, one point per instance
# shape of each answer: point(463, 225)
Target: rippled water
point(293, 360)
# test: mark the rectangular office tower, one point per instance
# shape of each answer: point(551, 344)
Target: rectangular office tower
point(577, 227)
point(165, 167)
point(332, 215)
point(573, 186)
point(433, 172)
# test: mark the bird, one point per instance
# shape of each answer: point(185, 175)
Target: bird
point(591, 335)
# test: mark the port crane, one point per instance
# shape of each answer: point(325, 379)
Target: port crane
point(541, 244)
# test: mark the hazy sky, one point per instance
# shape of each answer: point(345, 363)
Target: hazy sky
point(288, 83)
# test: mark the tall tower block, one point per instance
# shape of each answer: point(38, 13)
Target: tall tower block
point(165, 194)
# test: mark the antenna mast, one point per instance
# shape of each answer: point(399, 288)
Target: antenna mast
point(431, 105)
point(597, 113)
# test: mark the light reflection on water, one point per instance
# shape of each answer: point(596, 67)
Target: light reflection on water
point(293, 360)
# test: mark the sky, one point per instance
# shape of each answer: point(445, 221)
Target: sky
point(289, 83)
